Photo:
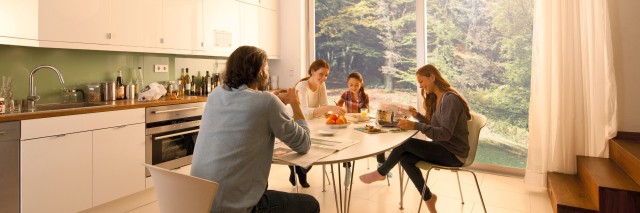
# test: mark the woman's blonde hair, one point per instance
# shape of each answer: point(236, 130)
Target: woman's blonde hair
point(442, 84)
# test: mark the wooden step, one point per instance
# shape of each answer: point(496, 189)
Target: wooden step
point(608, 186)
point(626, 154)
point(567, 194)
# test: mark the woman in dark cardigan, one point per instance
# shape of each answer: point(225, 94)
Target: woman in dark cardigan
point(444, 121)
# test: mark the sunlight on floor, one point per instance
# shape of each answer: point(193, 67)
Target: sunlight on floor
point(500, 193)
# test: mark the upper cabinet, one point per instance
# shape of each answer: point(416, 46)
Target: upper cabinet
point(80, 21)
point(260, 25)
point(19, 22)
point(120, 24)
point(221, 30)
point(198, 27)
point(181, 24)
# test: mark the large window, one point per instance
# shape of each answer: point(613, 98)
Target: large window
point(482, 46)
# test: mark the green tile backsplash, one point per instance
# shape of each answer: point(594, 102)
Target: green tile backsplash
point(79, 67)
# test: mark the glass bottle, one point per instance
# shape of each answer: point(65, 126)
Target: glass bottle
point(187, 82)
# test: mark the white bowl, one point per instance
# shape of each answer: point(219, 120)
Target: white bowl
point(338, 126)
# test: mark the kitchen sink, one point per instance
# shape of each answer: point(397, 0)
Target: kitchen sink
point(61, 106)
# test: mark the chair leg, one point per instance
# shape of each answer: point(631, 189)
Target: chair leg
point(479, 192)
point(402, 192)
point(459, 187)
point(324, 172)
point(424, 188)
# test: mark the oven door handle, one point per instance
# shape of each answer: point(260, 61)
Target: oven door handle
point(177, 134)
point(175, 110)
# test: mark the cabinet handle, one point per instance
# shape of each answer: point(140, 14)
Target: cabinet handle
point(162, 40)
point(108, 35)
point(175, 110)
point(59, 136)
point(201, 44)
point(2, 132)
point(120, 127)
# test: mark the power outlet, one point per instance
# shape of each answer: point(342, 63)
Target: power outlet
point(160, 68)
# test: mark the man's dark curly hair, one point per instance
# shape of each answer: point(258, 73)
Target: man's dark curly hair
point(243, 66)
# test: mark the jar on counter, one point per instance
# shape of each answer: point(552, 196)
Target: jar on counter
point(2, 106)
point(93, 92)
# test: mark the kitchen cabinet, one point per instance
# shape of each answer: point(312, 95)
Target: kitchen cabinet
point(19, 21)
point(267, 4)
point(221, 27)
point(91, 159)
point(168, 26)
point(56, 173)
point(260, 26)
point(78, 21)
point(180, 24)
point(118, 154)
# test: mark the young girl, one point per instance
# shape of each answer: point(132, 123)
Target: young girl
point(355, 98)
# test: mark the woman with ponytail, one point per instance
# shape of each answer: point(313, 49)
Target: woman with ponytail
point(444, 121)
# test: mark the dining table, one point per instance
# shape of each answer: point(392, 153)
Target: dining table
point(370, 143)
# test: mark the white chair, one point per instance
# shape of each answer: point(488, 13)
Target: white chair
point(182, 193)
point(476, 123)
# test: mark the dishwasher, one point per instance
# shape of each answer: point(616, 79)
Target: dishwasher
point(10, 167)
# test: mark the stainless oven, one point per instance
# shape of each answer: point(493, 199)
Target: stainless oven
point(171, 133)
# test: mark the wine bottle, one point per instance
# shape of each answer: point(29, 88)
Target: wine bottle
point(207, 84)
point(187, 82)
point(119, 86)
point(193, 85)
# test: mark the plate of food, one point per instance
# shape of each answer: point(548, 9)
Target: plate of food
point(357, 117)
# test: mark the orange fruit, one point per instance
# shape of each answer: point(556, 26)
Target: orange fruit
point(331, 121)
point(340, 121)
point(333, 117)
point(343, 119)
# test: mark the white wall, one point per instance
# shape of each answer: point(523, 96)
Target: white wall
point(292, 63)
point(625, 32)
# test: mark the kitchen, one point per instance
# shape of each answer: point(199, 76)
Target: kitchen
point(89, 41)
point(46, 161)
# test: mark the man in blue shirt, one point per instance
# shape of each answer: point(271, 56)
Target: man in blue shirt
point(236, 138)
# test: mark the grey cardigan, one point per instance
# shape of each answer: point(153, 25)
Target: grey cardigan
point(448, 125)
point(235, 144)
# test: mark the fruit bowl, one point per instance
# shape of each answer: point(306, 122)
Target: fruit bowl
point(338, 126)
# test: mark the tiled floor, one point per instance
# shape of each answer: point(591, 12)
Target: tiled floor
point(500, 193)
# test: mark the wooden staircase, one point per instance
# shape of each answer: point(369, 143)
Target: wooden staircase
point(602, 184)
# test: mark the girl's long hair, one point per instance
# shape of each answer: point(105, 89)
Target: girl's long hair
point(442, 84)
point(358, 76)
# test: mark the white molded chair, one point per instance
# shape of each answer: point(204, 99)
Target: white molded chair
point(476, 123)
point(182, 193)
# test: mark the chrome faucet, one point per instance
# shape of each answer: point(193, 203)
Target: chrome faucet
point(32, 98)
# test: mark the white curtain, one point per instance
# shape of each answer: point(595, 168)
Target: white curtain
point(573, 86)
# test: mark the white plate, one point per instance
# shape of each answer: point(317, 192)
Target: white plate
point(328, 132)
point(356, 117)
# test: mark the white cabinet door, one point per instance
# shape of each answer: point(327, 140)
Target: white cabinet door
point(249, 24)
point(221, 27)
point(19, 21)
point(82, 21)
point(269, 28)
point(136, 22)
point(56, 173)
point(180, 24)
point(118, 158)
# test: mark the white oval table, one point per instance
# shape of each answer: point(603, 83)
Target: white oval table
point(368, 145)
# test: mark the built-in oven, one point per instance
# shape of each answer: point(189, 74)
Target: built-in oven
point(171, 133)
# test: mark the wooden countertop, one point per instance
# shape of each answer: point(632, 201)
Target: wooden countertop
point(110, 106)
